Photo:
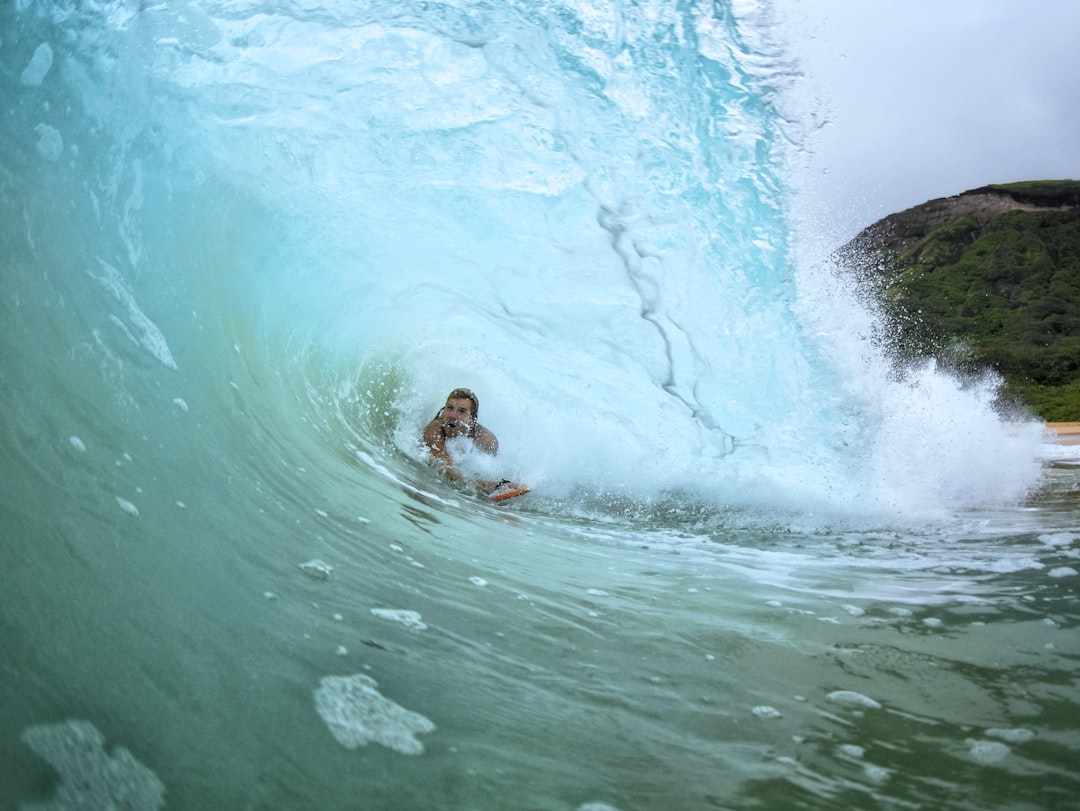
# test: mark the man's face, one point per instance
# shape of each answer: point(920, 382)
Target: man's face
point(457, 418)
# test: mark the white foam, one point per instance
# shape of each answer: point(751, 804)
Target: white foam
point(38, 68)
point(410, 619)
point(1062, 571)
point(1012, 564)
point(50, 143)
point(1058, 538)
point(319, 569)
point(90, 778)
point(356, 714)
point(478, 581)
point(149, 336)
point(76, 443)
point(849, 698)
point(127, 506)
point(875, 774)
point(765, 711)
point(988, 752)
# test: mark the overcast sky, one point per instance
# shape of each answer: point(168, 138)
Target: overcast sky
point(930, 98)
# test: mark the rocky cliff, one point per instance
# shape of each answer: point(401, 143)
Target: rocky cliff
point(987, 279)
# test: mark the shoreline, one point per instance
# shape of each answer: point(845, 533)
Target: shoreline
point(1062, 433)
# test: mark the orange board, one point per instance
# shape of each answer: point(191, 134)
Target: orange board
point(507, 490)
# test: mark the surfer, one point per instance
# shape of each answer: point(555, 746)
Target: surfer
point(458, 419)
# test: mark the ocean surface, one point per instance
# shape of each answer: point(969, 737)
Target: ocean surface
point(247, 247)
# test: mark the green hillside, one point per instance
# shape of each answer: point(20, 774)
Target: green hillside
point(987, 279)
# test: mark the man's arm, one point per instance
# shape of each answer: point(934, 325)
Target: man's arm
point(485, 440)
point(436, 442)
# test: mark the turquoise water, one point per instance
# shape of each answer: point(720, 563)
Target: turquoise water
point(248, 248)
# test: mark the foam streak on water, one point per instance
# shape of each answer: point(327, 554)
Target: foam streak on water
point(245, 250)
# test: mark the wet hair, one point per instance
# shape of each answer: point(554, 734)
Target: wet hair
point(465, 394)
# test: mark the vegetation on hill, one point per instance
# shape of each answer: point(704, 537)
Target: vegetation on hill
point(987, 279)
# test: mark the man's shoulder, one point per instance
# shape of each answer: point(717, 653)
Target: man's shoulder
point(431, 431)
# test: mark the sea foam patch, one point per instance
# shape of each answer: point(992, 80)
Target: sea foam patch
point(50, 143)
point(1059, 538)
point(410, 619)
point(149, 336)
point(849, 698)
point(356, 714)
point(317, 568)
point(89, 776)
point(38, 68)
point(987, 753)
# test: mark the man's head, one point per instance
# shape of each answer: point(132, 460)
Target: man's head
point(458, 416)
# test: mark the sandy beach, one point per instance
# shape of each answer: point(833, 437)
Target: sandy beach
point(1063, 433)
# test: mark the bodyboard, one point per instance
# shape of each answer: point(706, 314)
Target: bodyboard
point(507, 490)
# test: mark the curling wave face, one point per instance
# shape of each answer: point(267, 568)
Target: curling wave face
point(577, 212)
